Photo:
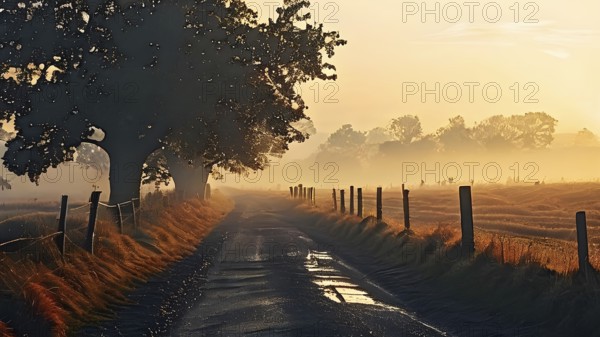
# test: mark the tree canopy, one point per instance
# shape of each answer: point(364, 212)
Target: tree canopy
point(378, 135)
point(455, 136)
point(535, 129)
point(202, 79)
point(345, 138)
point(406, 128)
point(532, 130)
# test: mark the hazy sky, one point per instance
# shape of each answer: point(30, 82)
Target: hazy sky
point(559, 55)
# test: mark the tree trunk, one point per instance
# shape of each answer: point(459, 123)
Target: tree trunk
point(125, 174)
point(190, 180)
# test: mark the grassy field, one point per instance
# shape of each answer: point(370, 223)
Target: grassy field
point(427, 269)
point(41, 291)
point(518, 223)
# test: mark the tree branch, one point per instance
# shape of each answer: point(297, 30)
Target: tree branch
point(211, 164)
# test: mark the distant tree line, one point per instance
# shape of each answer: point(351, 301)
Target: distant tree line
point(525, 132)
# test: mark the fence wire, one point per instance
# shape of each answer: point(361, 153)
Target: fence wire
point(81, 210)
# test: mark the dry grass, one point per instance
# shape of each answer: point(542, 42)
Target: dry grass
point(552, 254)
point(42, 303)
point(556, 255)
point(81, 288)
point(5, 330)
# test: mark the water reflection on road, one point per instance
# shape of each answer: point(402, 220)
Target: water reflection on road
point(340, 289)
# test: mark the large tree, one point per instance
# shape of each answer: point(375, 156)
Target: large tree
point(406, 128)
point(497, 133)
point(156, 74)
point(536, 129)
point(344, 147)
point(345, 139)
point(190, 175)
point(456, 136)
point(532, 130)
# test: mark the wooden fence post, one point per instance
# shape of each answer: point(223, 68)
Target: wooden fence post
point(334, 201)
point(207, 192)
point(359, 202)
point(89, 241)
point(304, 194)
point(342, 201)
point(62, 224)
point(314, 201)
point(295, 192)
point(406, 207)
point(291, 192)
point(582, 242)
point(133, 215)
point(379, 204)
point(352, 200)
point(466, 220)
point(300, 190)
point(120, 218)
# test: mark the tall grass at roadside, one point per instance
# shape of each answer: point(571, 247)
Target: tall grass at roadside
point(67, 293)
point(5, 330)
point(556, 255)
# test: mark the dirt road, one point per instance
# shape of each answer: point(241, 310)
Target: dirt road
point(272, 279)
point(261, 273)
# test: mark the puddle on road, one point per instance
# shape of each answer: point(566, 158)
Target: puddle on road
point(340, 289)
point(325, 283)
point(334, 285)
point(321, 269)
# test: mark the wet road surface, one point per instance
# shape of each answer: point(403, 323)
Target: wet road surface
point(269, 278)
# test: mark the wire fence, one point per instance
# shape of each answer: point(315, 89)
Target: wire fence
point(126, 215)
point(122, 213)
point(565, 242)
